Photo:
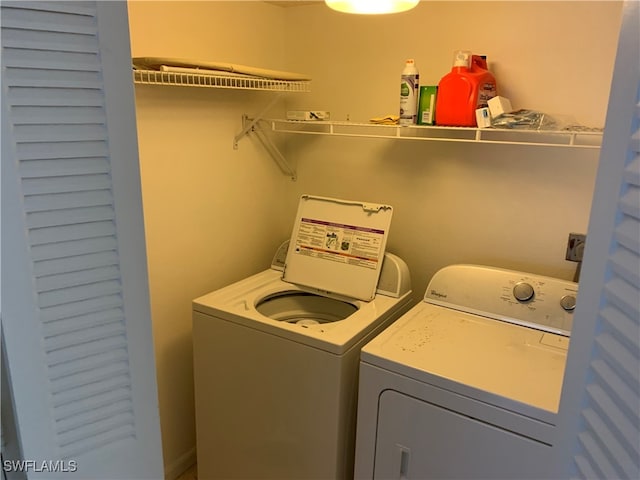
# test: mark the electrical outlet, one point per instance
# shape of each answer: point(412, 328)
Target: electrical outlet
point(575, 247)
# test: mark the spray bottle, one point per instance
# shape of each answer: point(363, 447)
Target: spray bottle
point(409, 91)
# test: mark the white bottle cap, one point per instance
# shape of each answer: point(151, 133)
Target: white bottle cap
point(462, 58)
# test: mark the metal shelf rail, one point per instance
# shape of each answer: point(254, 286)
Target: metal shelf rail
point(580, 138)
point(242, 82)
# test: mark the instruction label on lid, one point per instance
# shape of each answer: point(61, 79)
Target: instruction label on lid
point(336, 242)
point(337, 246)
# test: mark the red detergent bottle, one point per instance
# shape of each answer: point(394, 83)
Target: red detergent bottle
point(467, 87)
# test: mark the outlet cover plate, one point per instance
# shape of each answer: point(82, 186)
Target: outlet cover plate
point(575, 247)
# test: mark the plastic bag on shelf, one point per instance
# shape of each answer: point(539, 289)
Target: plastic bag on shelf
point(525, 119)
point(533, 120)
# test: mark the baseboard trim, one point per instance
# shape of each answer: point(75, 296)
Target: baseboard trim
point(180, 465)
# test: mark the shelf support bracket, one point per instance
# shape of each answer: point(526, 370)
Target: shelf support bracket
point(253, 125)
point(277, 156)
point(250, 126)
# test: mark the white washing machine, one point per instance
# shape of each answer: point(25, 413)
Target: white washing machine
point(276, 355)
point(467, 383)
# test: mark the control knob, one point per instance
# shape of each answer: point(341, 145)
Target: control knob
point(568, 302)
point(523, 291)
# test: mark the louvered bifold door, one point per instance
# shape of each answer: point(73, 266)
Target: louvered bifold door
point(75, 300)
point(599, 419)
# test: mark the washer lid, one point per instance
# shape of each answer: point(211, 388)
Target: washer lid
point(337, 246)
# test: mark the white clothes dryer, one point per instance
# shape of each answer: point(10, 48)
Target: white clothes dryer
point(466, 385)
point(276, 355)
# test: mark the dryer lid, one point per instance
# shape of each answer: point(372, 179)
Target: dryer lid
point(337, 246)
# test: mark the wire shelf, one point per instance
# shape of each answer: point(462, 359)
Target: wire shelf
point(238, 82)
point(552, 138)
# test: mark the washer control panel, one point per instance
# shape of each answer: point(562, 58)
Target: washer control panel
point(526, 299)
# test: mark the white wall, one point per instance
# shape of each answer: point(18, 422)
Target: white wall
point(502, 205)
point(214, 215)
point(211, 212)
point(556, 57)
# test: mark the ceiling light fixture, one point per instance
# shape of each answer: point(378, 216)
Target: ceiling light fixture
point(371, 7)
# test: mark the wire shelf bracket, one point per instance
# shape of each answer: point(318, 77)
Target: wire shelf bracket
point(249, 125)
point(253, 126)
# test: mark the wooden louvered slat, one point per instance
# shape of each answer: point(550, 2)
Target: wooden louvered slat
point(99, 374)
point(85, 349)
point(44, 19)
point(71, 183)
point(56, 234)
point(91, 391)
point(584, 466)
point(624, 296)
point(80, 9)
point(69, 216)
point(64, 115)
point(624, 328)
point(49, 41)
point(80, 277)
point(71, 295)
point(626, 264)
point(111, 373)
point(615, 353)
point(88, 363)
point(635, 142)
point(611, 454)
point(95, 429)
point(82, 129)
point(60, 97)
point(98, 438)
point(27, 77)
point(626, 234)
point(73, 248)
point(67, 342)
point(630, 202)
point(600, 460)
point(71, 409)
point(616, 417)
point(74, 264)
point(48, 21)
point(61, 150)
point(79, 420)
point(49, 25)
point(81, 322)
point(632, 171)
point(66, 200)
point(37, 59)
point(59, 167)
point(625, 396)
point(59, 312)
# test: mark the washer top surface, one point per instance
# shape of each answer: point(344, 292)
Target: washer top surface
point(504, 363)
point(238, 303)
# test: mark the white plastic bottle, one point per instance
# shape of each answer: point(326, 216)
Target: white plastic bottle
point(409, 91)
